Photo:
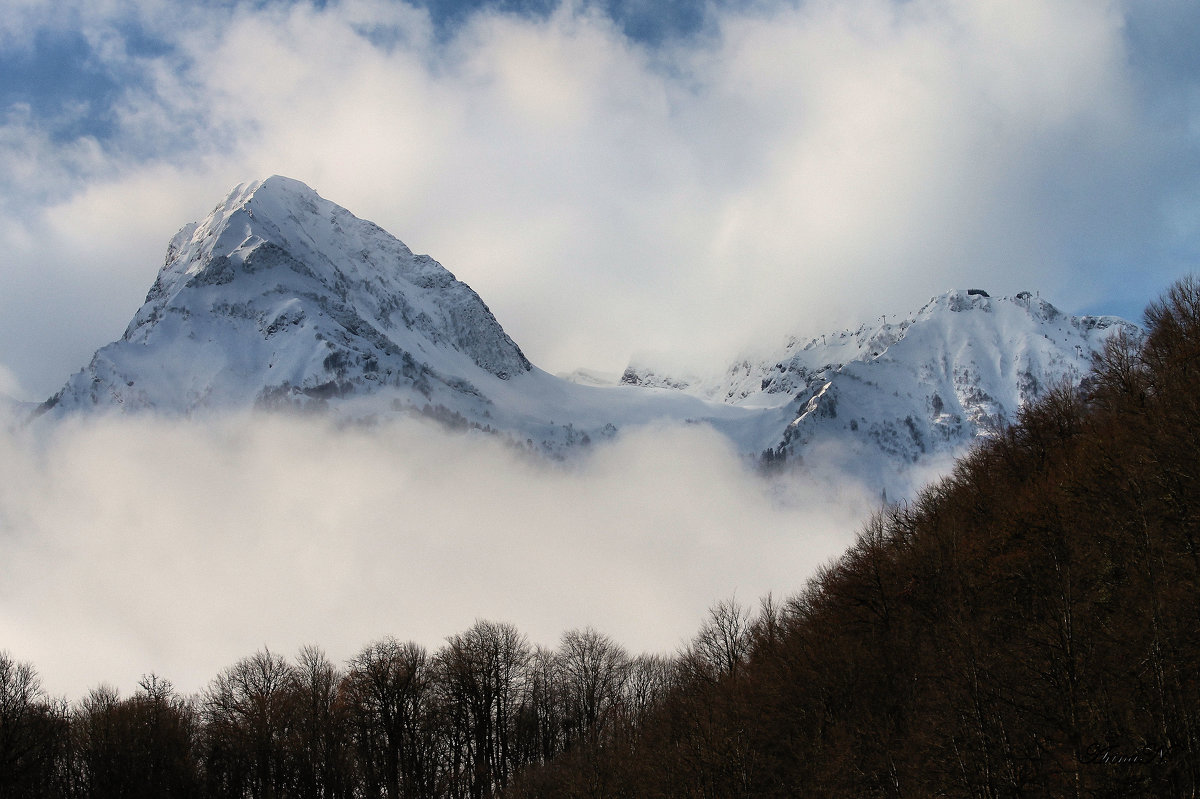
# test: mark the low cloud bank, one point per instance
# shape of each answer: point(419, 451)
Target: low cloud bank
point(139, 545)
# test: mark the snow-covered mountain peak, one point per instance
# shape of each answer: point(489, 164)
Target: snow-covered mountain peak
point(333, 244)
point(948, 327)
point(281, 295)
point(958, 300)
point(913, 385)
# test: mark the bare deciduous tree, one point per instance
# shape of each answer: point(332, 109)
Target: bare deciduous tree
point(249, 711)
point(389, 691)
point(483, 674)
point(593, 670)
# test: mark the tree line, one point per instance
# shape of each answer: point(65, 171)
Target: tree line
point(1029, 625)
point(395, 721)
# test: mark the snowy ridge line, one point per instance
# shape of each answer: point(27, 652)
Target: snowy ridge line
point(283, 299)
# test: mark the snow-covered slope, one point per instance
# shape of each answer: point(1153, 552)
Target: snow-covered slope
point(920, 386)
point(280, 298)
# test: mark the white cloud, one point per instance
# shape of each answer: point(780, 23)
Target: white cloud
point(9, 385)
point(177, 547)
point(801, 167)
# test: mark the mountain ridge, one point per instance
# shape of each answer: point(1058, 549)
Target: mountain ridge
point(280, 298)
point(924, 386)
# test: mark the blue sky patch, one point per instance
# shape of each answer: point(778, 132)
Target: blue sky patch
point(66, 90)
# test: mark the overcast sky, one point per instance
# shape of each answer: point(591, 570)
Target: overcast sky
point(616, 178)
point(613, 177)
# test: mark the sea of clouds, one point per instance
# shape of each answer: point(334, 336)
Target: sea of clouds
point(138, 545)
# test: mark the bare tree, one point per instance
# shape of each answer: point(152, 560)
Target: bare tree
point(319, 745)
point(249, 713)
point(33, 733)
point(389, 691)
point(593, 670)
point(650, 678)
point(483, 675)
point(540, 725)
point(723, 643)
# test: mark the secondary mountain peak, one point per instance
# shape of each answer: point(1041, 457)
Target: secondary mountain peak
point(915, 386)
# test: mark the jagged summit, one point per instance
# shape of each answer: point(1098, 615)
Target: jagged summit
point(282, 222)
point(279, 295)
point(331, 242)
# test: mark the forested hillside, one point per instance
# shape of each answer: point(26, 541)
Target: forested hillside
point(1028, 626)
